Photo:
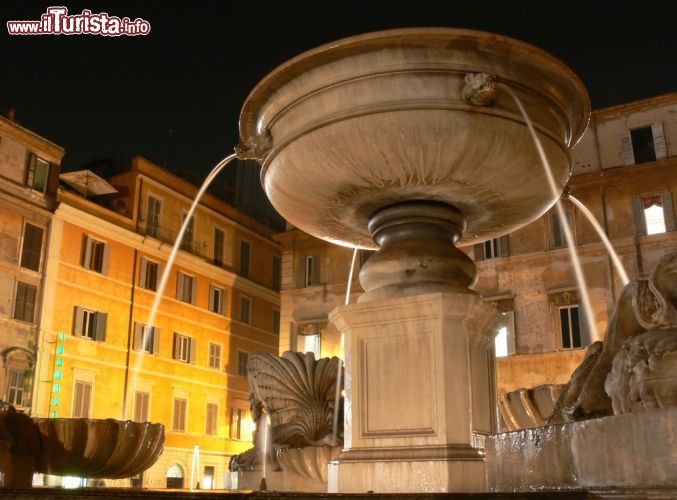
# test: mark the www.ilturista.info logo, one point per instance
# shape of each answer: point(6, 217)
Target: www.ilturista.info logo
point(56, 21)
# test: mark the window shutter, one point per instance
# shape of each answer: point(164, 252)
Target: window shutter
point(504, 244)
point(177, 341)
point(30, 168)
point(212, 305)
point(626, 148)
point(101, 322)
point(301, 272)
point(179, 285)
point(143, 267)
point(32, 246)
point(316, 270)
point(222, 302)
point(478, 248)
point(86, 400)
point(659, 141)
point(192, 290)
point(638, 213)
point(87, 252)
point(193, 346)
point(158, 276)
point(78, 317)
point(19, 301)
point(668, 211)
point(138, 336)
point(106, 256)
point(77, 405)
point(156, 340)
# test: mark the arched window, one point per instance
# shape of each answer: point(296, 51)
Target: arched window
point(175, 476)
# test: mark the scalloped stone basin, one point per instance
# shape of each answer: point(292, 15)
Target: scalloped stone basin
point(98, 448)
point(367, 122)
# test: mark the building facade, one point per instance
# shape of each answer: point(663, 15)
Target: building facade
point(29, 172)
point(624, 172)
point(99, 356)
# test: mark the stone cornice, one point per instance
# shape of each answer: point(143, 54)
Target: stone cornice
point(635, 106)
point(47, 149)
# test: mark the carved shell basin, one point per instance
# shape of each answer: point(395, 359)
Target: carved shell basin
point(309, 462)
point(373, 120)
point(98, 448)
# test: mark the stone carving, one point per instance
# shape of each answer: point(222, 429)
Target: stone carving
point(75, 447)
point(636, 367)
point(525, 408)
point(479, 89)
point(299, 394)
point(644, 372)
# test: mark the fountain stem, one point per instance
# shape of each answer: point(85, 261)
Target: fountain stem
point(418, 252)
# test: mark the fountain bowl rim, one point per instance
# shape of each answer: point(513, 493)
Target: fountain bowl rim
point(424, 37)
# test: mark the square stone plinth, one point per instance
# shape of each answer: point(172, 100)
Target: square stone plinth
point(420, 393)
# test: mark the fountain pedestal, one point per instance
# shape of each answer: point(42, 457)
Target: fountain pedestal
point(419, 387)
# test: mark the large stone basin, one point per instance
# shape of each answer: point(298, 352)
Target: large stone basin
point(378, 119)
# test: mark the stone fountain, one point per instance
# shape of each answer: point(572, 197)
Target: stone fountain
point(406, 141)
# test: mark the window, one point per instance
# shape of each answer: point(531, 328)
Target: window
point(146, 338)
point(557, 235)
point(17, 385)
point(277, 273)
point(141, 406)
point(179, 420)
point(82, 399)
point(311, 343)
point(24, 302)
point(244, 258)
point(89, 324)
point(643, 144)
point(214, 356)
point(236, 417)
point(573, 327)
point(153, 212)
point(492, 249)
point(242, 360)
point(185, 288)
point(311, 270)
point(209, 483)
point(95, 255)
point(175, 477)
point(219, 246)
point(37, 173)
point(245, 309)
point(276, 321)
point(184, 348)
point(505, 339)
point(217, 299)
point(149, 274)
point(187, 241)
point(654, 214)
point(32, 247)
point(212, 414)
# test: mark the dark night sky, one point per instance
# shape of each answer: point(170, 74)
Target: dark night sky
point(174, 96)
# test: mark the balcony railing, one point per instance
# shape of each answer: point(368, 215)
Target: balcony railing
point(168, 235)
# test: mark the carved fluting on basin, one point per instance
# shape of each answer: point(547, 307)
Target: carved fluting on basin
point(298, 392)
point(98, 448)
point(371, 121)
point(526, 408)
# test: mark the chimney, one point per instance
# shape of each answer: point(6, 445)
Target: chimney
point(11, 112)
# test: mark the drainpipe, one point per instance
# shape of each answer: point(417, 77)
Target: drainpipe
point(130, 325)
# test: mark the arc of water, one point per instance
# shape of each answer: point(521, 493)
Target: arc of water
point(612, 252)
point(580, 279)
point(339, 370)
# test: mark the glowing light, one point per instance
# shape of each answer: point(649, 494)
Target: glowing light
point(57, 388)
point(57, 375)
point(55, 401)
point(59, 349)
point(59, 361)
point(52, 415)
point(62, 336)
point(501, 342)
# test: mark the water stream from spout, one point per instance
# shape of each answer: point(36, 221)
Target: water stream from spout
point(339, 369)
point(578, 270)
point(612, 253)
